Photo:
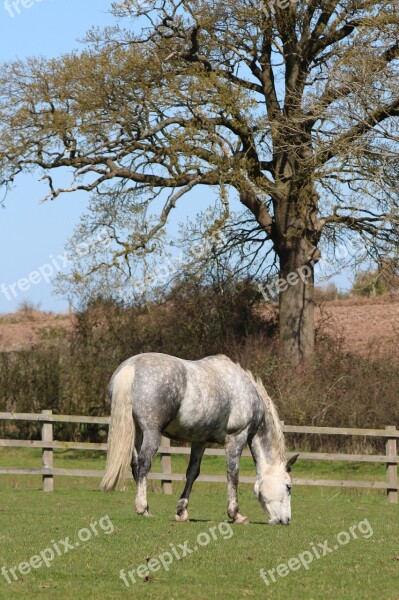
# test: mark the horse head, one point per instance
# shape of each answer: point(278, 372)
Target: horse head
point(273, 491)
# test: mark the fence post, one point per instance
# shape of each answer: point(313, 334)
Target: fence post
point(166, 466)
point(47, 453)
point(392, 469)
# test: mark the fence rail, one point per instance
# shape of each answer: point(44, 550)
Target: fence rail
point(48, 444)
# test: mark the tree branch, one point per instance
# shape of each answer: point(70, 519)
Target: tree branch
point(377, 116)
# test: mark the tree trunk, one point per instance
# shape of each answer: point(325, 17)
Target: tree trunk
point(296, 318)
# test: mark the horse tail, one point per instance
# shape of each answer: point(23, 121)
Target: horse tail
point(121, 429)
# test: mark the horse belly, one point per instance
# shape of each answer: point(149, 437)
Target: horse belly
point(196, 425)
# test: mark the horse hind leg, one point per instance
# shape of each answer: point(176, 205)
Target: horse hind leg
point(193, 470)
point(135, 455)
point(150, 444)
point(233, 454)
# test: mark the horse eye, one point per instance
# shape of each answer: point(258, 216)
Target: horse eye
point(289, 487)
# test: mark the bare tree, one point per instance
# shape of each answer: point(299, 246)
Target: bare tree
point(290, 105)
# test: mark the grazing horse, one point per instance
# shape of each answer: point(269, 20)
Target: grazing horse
point(212, 400)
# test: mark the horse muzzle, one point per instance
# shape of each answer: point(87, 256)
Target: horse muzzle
point(277, 521)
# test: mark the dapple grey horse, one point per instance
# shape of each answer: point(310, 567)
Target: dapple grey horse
point(212, 400)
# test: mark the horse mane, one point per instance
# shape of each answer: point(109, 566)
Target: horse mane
point(272, 420)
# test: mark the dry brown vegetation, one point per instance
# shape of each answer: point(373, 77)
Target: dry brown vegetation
point(65, 363)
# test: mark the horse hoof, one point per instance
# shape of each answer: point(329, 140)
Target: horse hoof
point(144, 513)
point(241, 520)
point(182, 518)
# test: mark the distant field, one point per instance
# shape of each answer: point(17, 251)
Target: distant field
point(23, 329)
point(227, 565)
point(366, 326)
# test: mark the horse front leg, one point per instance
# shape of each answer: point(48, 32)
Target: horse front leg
point(150, 444)
point(193, 470)
point(233, 454)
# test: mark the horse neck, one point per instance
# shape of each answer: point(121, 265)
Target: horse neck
point(267, 447)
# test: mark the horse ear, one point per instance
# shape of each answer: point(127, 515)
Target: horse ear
point(291, 462)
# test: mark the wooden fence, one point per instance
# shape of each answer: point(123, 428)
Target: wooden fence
point(48, 444)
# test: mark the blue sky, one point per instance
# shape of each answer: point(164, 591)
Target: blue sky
point(32, 234)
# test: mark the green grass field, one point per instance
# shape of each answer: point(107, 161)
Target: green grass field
point(228, 563)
